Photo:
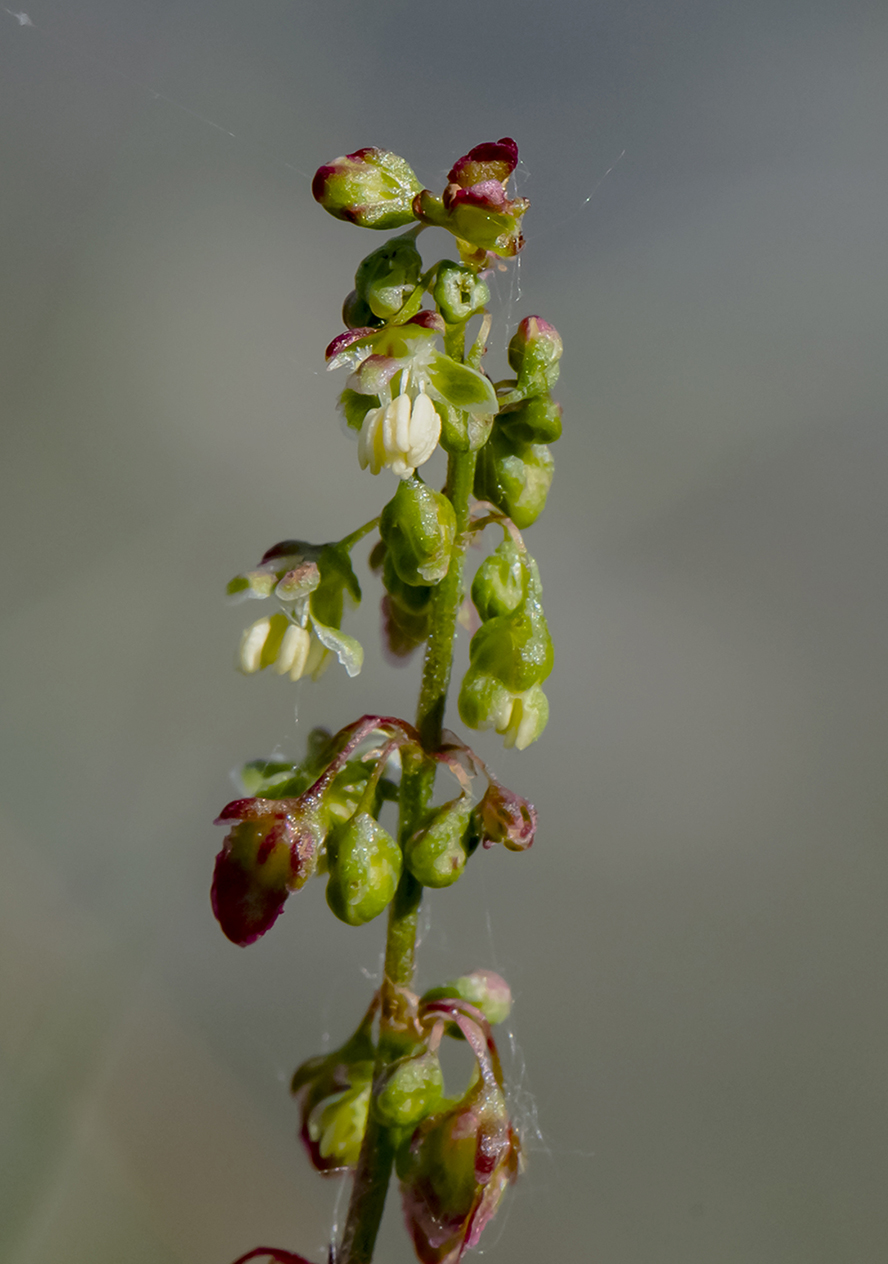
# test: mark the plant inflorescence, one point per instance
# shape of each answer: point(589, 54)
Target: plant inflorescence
point(414, 345)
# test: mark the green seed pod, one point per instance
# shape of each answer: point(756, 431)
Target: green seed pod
point(412, 1089)
point(388, 276)
point(514, 476)
point(365, 865)
point(500, 583)
point(534, 420)
point(458, 292)
point(418, 526)
point(436, 853)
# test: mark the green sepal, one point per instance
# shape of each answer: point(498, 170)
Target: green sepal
point(501, 581)
point(387, 277)
point(347, 649)
point(355, 407)
point(460, 385)
point(535, 420)
point(458, 292)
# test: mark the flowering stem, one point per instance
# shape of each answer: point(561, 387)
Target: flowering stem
point(377, 1152)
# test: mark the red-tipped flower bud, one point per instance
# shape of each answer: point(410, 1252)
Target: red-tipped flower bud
point(371, 187)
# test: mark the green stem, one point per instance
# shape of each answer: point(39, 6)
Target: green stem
point(417, 783)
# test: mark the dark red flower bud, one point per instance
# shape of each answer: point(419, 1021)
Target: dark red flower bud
point(270, 851)
point(506, 817)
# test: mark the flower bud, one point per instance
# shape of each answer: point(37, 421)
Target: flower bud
point(474, 206)
point(500, 583)
point(514, 476)
point(371, 187)
point(436, 853)
point(534, 352)
point(458, 292)
point(516, 648)
point(357, 313)
point(487, 991)
point(411, 1090)
point(270, 851)
point(506, 817)
point(365, 865)
point(533, 420)
point(485, 702)
point(389, 275)
point(419, 527)
point(491, 160)
point(454, 1173)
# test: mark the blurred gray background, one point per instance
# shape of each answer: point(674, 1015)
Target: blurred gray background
point(697, 941)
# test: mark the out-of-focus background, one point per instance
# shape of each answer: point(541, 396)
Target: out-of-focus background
point(697, 941)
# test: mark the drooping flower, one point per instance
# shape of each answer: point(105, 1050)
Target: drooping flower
point(311, 583)
point(459, 1161)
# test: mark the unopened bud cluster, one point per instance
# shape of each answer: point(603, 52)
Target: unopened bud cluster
point(413, 347)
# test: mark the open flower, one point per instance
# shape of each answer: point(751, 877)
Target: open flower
point(398, 377)
point(400, 435)
point(310, 582)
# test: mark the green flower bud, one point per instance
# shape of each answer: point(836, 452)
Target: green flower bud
point(534, 420)
point(388, 276)
point(412, 1089)
point(418, 526)
point(487, 991)
point(516, 648)
point(458, 292)
point(371, 187)
point(534, 352)
point(365, 865)
point(514, 476)
point(462, 431)
point(436, 853)
point(500, 583)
